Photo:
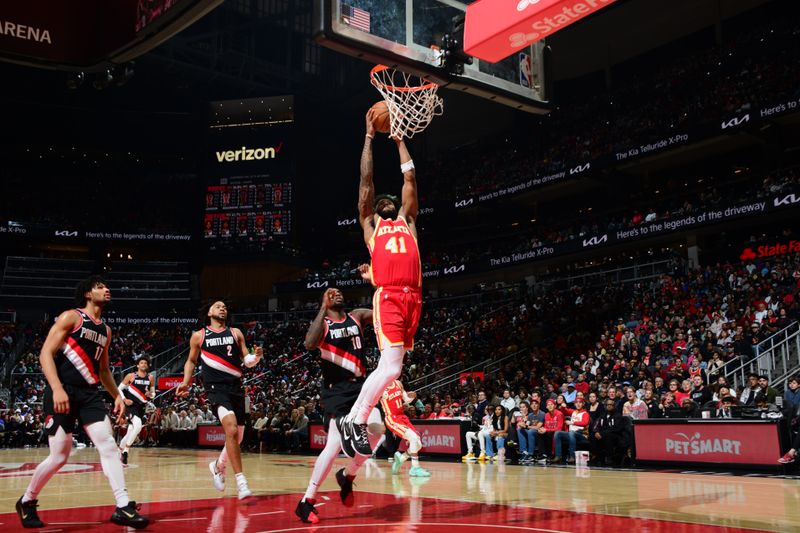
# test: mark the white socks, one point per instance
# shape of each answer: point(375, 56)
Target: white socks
point(389, 368)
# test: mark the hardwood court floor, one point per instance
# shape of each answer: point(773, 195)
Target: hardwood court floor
point(175, 489)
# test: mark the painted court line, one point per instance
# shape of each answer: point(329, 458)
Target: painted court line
point(270, 512)
point(411, 524)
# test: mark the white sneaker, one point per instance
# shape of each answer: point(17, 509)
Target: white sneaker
point(217, 477)
point(244, 491)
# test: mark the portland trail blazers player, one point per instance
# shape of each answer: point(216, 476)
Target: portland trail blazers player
point(137, 389)
point(340, 340)
point(223, 352)
point(74, 360)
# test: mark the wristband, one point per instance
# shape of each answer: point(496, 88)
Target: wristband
point(408, 165)
point(250, 360)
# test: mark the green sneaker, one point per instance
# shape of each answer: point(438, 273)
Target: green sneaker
point(418, 471)
point(397, 464)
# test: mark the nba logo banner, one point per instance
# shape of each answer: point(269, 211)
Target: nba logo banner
point(525, 70)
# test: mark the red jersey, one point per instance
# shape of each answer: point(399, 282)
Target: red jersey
point(395, 255)
point(392, 400)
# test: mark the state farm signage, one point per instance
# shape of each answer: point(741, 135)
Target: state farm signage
point(494, 29)
point(210, 436)
point(708, 442)
point(770, 250)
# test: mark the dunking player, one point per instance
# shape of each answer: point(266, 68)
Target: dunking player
point(137, 388)
point(391, 235)
point(223, 352)
point(392, 401)
point(339, 337)
point(74, 360)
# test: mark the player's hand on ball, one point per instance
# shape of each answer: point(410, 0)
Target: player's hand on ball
point(371, 122)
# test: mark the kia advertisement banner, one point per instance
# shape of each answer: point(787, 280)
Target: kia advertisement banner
point(210, 436)
point(697, 219)
point(728, 442)
point(317, 436)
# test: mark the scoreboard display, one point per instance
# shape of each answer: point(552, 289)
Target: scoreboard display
point(246, 214)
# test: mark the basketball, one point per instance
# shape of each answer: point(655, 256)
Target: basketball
point(382, 123)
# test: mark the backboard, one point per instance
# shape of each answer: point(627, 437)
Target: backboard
point(399, 33)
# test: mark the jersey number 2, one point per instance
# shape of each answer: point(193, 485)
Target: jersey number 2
point(396, 245)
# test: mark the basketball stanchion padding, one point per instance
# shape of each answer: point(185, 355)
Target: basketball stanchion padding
point(412, 101)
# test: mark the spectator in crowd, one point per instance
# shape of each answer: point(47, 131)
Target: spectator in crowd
point(748, 396)
point(526, 426)
point(769, 392)
point(473, 435)
point(609, 434)
point(498, 433)
point(297, 435)
point(701, 394)
point(725, 410)
point(634, 407)
point(508, 402)
point(792, 392)
point(577, 428)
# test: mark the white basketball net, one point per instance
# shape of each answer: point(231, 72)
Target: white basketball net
point(412, 101)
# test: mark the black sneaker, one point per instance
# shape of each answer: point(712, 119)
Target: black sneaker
point(346, 486)
point(27, 513)
point(129, 516)
point(343, 425)
point(306, 512)
point(361, 439)
point(125, 458)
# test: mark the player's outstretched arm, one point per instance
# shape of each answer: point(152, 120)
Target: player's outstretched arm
point(191, 362)
point(56, 337)
point(410, 199)
point(316, 331)
point(109, 384)
point(366, 188)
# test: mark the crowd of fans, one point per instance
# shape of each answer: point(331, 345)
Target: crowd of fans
point(561, 381)
point(679, 199)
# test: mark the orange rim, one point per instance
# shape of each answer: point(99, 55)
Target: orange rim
point(380, 68)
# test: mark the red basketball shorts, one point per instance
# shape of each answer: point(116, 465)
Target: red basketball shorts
point(395, 314)
point(399, 424)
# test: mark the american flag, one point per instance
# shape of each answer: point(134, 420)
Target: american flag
point(355, 17)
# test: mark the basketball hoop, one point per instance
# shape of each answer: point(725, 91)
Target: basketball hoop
point(412, 101)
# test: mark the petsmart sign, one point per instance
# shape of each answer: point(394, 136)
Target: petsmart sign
point(748, 443)
point(317, 436)
point(210, 436)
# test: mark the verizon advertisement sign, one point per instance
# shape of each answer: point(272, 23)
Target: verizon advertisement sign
point(317, 436)
point(210, 436)
point(494, 29)
point(708, 442)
